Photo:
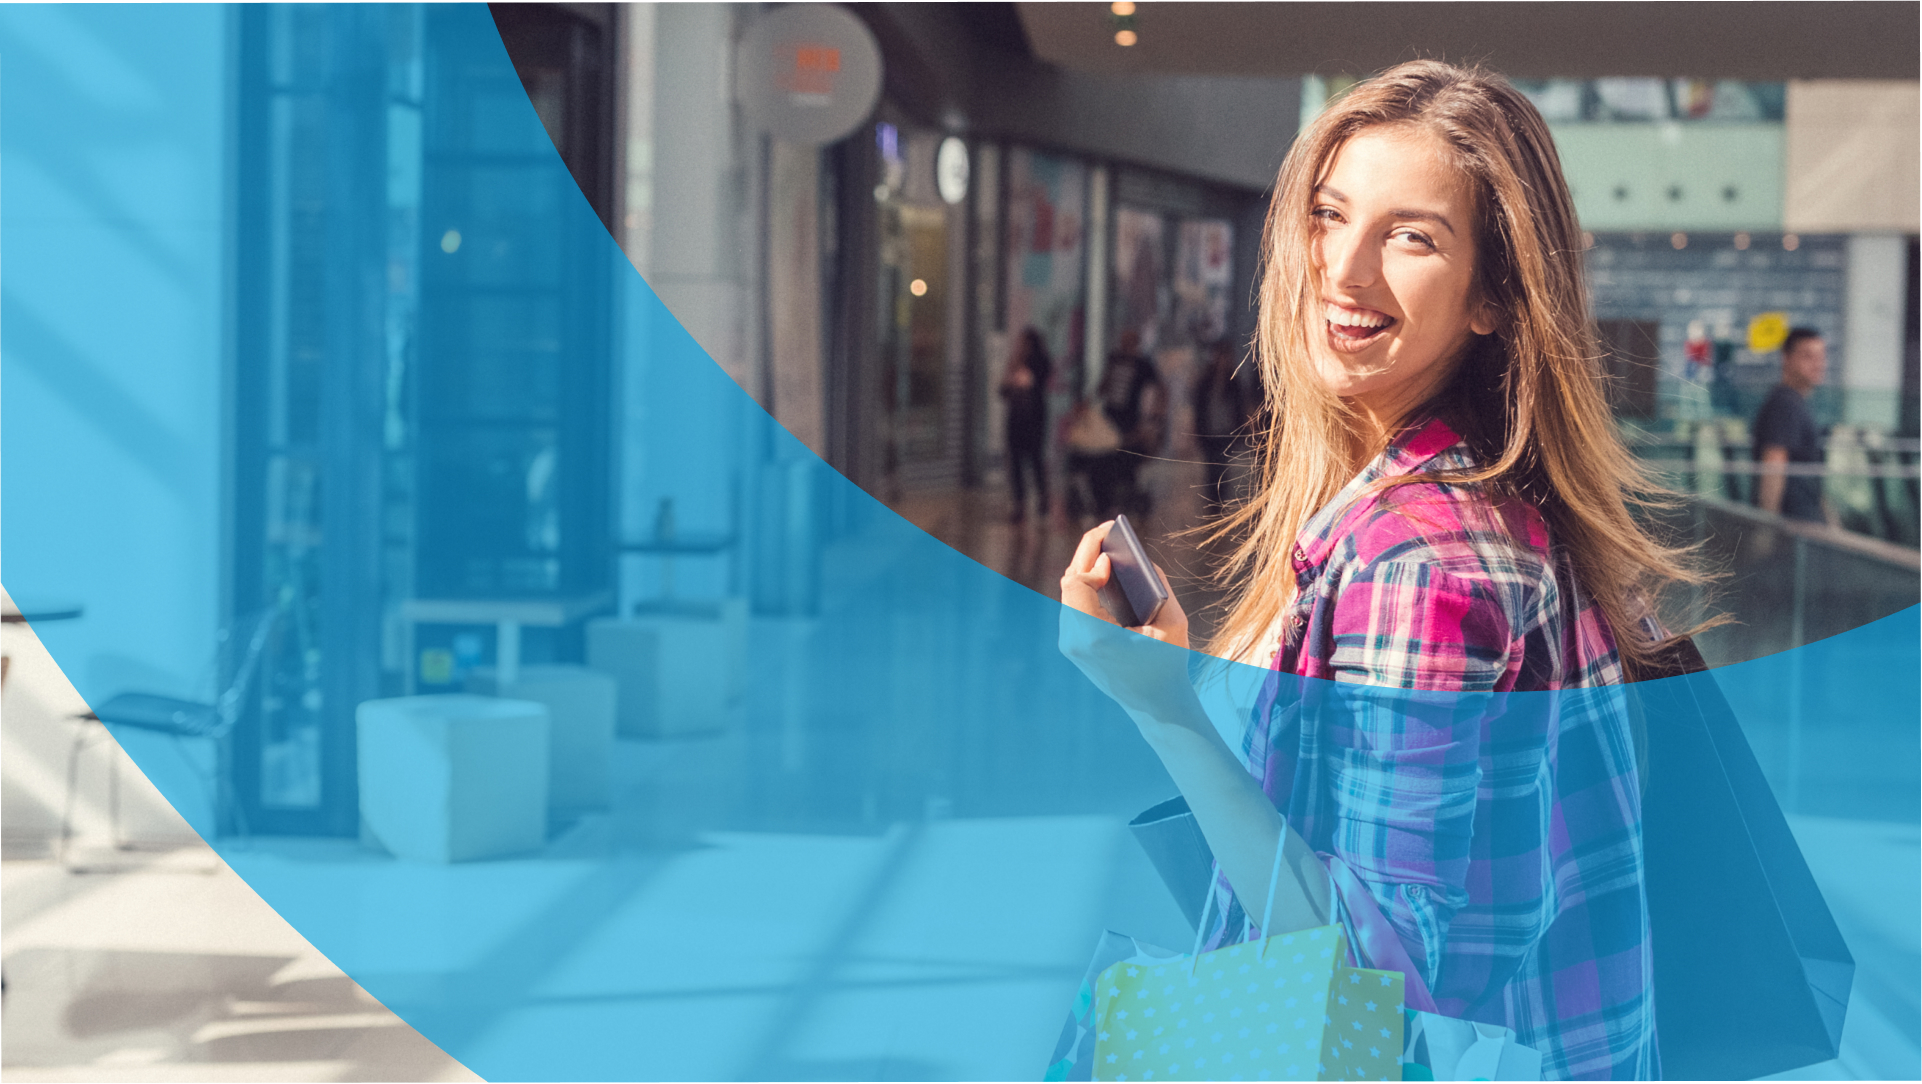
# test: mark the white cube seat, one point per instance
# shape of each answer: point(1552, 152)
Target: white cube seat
point(680, 665)
point(454, 778)
point(580, 727)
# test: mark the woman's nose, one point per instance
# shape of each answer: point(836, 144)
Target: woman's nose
point(1348, 260)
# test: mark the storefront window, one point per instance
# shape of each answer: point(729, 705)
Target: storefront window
point(420, 380)
point(921, 398)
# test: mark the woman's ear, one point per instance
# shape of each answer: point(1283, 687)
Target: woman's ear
point(1487, 319)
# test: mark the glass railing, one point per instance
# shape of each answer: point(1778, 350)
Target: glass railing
point(1787, 583)
point(1869, 479)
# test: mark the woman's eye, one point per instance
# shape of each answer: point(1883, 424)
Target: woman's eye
point(1414, 236)
point(1325, 214)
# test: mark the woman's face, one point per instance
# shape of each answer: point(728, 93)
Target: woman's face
point(1394, 263)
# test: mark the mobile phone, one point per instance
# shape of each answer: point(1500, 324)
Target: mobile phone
point(1134, 592)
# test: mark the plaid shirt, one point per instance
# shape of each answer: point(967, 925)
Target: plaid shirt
point(1496, 823)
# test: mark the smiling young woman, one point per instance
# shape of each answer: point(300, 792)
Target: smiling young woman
point(1444, 508)
point(1461, 239)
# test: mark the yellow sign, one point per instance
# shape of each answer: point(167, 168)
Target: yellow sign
point(1767, 332)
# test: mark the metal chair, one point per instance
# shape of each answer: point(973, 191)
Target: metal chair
point(172, 716)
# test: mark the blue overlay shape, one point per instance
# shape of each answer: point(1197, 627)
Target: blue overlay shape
point(919, 726)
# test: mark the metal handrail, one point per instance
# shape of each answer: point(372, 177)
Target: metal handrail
point(1874, 548)
point(1794, 470)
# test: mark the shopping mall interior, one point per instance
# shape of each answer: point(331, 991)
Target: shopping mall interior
point(407, 327)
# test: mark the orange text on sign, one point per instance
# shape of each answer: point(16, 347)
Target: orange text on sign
point(814, 69)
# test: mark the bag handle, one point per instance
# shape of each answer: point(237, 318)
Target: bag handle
point(1267, 912)
point(1376, 943)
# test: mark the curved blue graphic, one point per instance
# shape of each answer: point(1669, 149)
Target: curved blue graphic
point(891, 859)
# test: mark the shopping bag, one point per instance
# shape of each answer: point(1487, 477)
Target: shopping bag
point(1088, 431)
point(1732, 904)
point(1435, 1047)
point(1438, 1047)
point(1173, 841)
point(1286, 1008)
point(1444, 1048)
point(1074, 1052)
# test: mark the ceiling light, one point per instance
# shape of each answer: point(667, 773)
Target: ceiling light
point(1124, 38)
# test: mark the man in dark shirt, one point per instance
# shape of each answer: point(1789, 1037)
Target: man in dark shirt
point(1785, 431)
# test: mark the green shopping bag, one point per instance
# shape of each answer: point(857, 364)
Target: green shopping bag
point(1288, 1008)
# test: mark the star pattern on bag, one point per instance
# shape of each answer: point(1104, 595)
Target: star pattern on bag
point(1322, 1018)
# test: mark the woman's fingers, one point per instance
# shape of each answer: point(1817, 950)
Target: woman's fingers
point(1086, 574)
point(1080, 589)
point(1089, 548)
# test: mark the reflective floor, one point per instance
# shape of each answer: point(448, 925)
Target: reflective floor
point(157, 974)
point(1034, 553)
point(922, 898)
point(165, 973)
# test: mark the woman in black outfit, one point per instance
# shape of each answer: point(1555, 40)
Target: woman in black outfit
point(1221, 411)
point(1025, 387)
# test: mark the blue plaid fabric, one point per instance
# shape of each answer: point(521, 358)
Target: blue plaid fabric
point(1447, 716)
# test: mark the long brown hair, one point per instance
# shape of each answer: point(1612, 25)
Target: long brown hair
point(1529, 398)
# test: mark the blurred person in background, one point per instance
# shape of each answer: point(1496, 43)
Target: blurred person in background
point(1095, 463)
point(1785, 431)
point(1135, 399)
point(1221, 410)
point(1442, 511)
point(1025, 387)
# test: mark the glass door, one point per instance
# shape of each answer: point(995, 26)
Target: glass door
point(326, 179)
point(921, 396)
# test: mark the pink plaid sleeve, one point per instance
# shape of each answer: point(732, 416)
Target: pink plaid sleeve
point(1407, 622)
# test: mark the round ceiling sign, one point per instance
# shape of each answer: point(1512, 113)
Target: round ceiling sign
point(808, 73)
point(951, 170)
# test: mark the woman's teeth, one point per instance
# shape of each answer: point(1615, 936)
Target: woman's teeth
point(1351, 318)
point(1355, 326)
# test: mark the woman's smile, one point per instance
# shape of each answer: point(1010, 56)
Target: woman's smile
point(1352, 330)
point(1394, 252)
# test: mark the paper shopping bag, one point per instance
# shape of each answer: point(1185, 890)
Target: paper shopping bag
point(1288, 1010)
point(1445, 1048)
point(1074, 1052)
point(1732, 905)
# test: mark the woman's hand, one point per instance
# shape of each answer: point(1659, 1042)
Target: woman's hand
point(1144, 674)
point(1148, 677)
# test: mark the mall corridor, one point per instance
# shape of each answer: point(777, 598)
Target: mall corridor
point(522, 498)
